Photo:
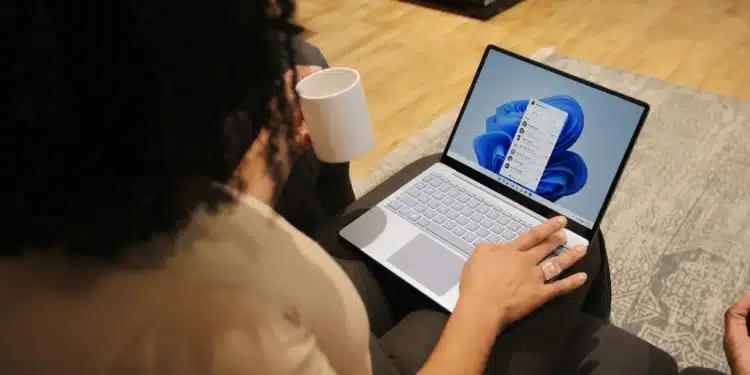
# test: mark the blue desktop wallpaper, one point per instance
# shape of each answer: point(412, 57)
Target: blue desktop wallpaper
point(591, 146)
point(566, 172)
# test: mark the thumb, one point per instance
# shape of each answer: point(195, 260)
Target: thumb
point(735, 322)
point(305, 70)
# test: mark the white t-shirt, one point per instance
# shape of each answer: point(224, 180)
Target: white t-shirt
point(240, 292)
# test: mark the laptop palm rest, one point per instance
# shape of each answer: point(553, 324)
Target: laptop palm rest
point(430, 263)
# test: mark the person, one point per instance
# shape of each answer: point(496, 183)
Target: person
point(124, 256)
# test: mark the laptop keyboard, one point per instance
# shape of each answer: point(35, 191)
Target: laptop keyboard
point(455, 214)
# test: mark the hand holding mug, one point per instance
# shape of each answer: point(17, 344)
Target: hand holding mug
point(301, 128)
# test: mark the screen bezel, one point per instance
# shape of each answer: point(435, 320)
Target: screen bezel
point(519, 198)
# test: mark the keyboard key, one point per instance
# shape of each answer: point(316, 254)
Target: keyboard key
point(504, 221)
point(461, 189)
point(472, 226)
point(413, 192)
point(449, 237)
point(395, 204)
point(420, 185)
point(492, 237)
point(479, 198)
point(466, 211)
point(463, 198)
point(462, 220)
point(514, 227)
point(526, 225)
point(449, 224)
point(477, 217)
point(468, 237)
point(453, 215)
point(473, 203)
point(493, 214)
point(453, 193)
point(430, 214)
point(436, 182)
point(443, 210)
point(458, 231)
point(448, 201)
point(439, 219)
point(482, 232)
point(483, 208)
point(476, 241)
point(407, 200)
point(497, 228)
point(457, 206)
point(420, 208)
point(414, 216)
point(433, 204)
point(438, 195)
point(424, 198)
point(487, 223)
point(445, 188)
point(509, 235)
point(430, 190)
point(452, 183)
point(405, 210)
point(423, 221)
point(427, 178)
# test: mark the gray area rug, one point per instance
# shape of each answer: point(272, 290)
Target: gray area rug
point(678, 227)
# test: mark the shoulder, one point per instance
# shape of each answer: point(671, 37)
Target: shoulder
point(248, 257)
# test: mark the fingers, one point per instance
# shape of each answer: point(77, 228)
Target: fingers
point(302, 72)
point(538, 234)
point(564, 286)
point(554, 266)
point(539, 252)
point(735, 322)
point(305, 70)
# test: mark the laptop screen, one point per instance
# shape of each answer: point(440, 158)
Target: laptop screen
point(552, 138)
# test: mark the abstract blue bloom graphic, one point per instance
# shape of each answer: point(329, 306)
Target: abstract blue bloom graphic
point(565, 173)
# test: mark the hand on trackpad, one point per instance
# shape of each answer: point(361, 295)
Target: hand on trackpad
point(430, 263)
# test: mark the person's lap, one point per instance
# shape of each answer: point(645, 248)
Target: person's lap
point(532, 345)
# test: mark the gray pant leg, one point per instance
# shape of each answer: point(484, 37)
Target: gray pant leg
point(308, 54)
point(596, 348)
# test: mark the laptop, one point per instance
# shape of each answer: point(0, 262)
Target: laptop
point(531, 142)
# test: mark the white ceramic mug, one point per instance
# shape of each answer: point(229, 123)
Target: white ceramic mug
point(335, 109)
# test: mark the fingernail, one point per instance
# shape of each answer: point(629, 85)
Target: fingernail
point(561, 220)
point(581, 277)
point(580, 250)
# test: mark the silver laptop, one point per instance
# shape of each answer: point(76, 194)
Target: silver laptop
point(531, 142)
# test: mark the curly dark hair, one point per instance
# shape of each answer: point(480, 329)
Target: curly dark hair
point(117, 114)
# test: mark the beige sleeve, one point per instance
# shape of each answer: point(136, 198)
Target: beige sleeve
point(233, 341)
point(275, 347)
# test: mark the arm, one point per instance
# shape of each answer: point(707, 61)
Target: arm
point(465, 344)
point(499, 285)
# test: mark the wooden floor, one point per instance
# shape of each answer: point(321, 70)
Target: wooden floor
point(417, 62)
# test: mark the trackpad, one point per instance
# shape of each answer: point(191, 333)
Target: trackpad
point(428, 262)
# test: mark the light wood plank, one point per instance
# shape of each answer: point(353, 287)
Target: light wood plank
point(417, 62)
